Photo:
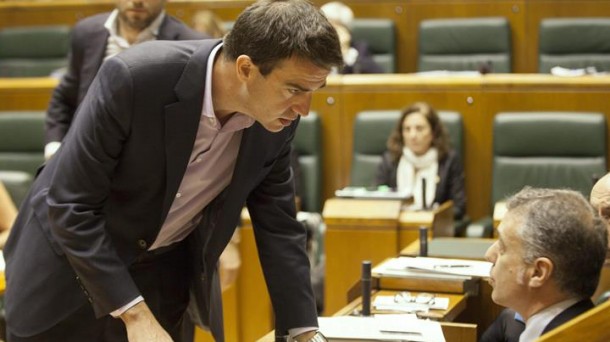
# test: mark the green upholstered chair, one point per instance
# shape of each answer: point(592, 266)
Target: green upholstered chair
point(371, 131)
point(308, 145)
point(33, 51)
point(380, 36)
point(574, 43)
point(21, 150)
point(465, 44)
point(544, 149)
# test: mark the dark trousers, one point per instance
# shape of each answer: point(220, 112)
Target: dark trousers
point(163, 278)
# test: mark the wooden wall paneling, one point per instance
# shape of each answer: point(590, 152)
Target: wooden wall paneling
point(513, 10)
point(25, 13)
point(541, 9)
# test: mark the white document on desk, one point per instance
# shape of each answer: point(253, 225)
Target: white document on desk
point(381, 328)
point(434, 267)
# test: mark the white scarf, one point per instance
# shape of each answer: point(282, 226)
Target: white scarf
point(412, 169)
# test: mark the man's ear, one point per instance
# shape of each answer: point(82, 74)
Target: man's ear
point(540, 272)
point(244, 67)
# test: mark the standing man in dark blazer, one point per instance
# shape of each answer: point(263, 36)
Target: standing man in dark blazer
point(128, 219)
point(547, 261)
point(98, 38)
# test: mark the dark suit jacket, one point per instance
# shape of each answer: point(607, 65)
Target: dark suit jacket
point(101, 201)
point(506, 329)
point(450, 184)
point(87, 51)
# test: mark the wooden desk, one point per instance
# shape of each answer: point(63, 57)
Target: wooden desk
point(439, 222)
point(457, 304)
point(356, 230)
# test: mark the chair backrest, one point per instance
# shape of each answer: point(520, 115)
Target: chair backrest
point(547, 149)
point(380, 36)
point(371, 131)
point(574, 43)
point(33, 50)
point(308, 144)
point(21, 141)
point(465, 44)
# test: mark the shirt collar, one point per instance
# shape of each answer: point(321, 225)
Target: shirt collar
point(237, 121)
point(535, 324)
point(111, 24)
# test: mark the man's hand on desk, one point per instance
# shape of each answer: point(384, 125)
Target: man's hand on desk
point(142, 326)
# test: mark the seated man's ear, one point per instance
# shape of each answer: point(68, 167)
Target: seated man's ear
point(541, 271)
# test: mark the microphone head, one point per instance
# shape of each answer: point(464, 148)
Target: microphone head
point(366, 269)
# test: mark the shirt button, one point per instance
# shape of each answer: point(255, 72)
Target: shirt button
point(142, 244)
point(178, 195)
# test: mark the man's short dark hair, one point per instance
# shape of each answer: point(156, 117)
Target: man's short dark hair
point(270, 31)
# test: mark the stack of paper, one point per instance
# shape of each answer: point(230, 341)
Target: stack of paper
point(433, 268)
point(380, 328)
point(389, 303)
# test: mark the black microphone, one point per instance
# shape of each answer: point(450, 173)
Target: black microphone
point(366, 288)
point(423, 241)
point(424, 205)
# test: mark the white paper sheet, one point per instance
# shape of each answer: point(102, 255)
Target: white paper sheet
point(381, 328)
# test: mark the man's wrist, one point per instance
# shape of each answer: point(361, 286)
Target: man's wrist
point(310, 336)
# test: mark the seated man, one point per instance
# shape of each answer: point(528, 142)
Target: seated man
point(548, 258)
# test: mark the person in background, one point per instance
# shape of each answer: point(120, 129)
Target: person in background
point(547, 260)
point(600, 200)
point(418, 149)
point(124, 225)
point(205, 21)
point(357, 57)
point(8, 213)
point(94, 40)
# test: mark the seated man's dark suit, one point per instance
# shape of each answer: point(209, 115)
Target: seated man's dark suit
point(87, 51)
point(100, 202)
point(507, 329)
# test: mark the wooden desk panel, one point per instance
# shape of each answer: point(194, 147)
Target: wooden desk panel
point(357, 230)
point(26, 93)
point(439, 222)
